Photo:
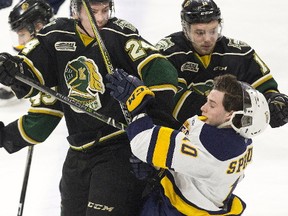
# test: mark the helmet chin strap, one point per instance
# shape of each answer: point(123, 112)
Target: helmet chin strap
point(226, 124)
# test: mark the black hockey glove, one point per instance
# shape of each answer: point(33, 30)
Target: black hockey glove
point(129, 90)
point(278, 106)
point(140, 169)
point(5, 3)
point(9, 66)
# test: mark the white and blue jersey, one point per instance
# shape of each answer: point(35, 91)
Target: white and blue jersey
point(204, 164)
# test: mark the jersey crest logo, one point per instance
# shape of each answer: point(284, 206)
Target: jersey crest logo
point(84, 82)
point(185, 128)
point(164, 44)
point(237, 44)
point(65, 46)
point(190, 66)
point(124, 24)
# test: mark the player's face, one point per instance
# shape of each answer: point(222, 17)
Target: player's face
point(24, 36)
point(204, 36)
point(214, 110)
point(21, 37)
point(101, 12)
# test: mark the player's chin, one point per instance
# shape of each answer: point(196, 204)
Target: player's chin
point(206, 50)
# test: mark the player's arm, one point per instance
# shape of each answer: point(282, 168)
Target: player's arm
point(142, 59)
point(162, 79)
point(33, 62)
point(35, 127)
point(28, 130)
point(156, 145)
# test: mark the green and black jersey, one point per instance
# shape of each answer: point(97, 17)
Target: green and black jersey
point(61, 57)
point(196, 73)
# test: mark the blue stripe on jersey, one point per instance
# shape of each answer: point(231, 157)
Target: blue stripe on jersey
point(138, 126)
point(152, 144)
point(171, 149)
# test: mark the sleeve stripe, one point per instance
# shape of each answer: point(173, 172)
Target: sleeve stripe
point(162, 147)
point(23, 133)
point(171, 148)
point(152, 144)
point(137, 127)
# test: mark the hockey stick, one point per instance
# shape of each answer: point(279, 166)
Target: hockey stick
point(108, 120)
point(102, 47)
point(104, 52)
point(25, 180)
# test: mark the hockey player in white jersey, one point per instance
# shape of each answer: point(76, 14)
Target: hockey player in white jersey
point(204, 160)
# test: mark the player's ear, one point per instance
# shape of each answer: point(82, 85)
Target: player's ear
point(38, 26)
point(228, 115)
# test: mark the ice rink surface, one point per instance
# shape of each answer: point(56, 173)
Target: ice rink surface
point(260, 23)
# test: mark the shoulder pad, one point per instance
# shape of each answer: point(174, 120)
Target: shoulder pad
point(122, 25)
point(237, 45)
point(63, 23)
point(173, 43)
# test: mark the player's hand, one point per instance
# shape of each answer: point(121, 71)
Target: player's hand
point(130, 90)
point(5, 3)
point(141, 169)
point(278, 105)
point(9, 66)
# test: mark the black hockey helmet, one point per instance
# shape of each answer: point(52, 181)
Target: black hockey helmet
point(27, 12)
point(75, 5)
point(200, 11)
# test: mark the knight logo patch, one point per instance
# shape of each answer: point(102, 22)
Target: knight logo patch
point(190, 66)
point(84, 82)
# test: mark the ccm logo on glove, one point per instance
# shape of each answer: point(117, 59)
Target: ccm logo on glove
point(137, 97)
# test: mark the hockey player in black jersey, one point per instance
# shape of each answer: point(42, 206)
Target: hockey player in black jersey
point(25, 19)
point(200, 52)
point(30, 129)
point(97, 177)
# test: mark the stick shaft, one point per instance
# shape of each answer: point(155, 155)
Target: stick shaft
point(25, 180)
point(104, 52)
point(108, 120)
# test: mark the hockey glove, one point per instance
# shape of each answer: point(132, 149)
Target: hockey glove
point(130, 90)
point(140, 169)
point(5, 3)
point(9, 66)
point(278, 106)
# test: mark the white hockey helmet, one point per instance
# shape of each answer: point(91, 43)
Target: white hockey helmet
point(255, 116)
